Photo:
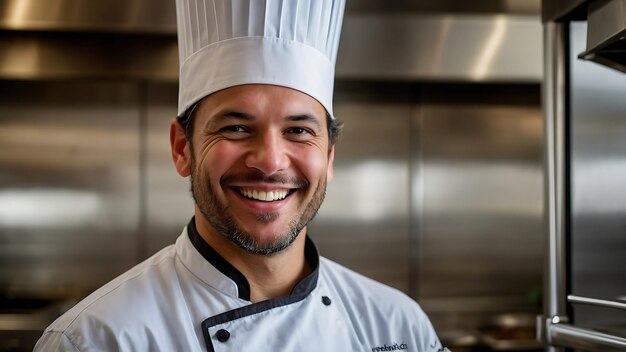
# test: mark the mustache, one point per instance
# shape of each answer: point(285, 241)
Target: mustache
point(259, 177)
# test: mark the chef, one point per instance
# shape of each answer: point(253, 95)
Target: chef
point(255, 132)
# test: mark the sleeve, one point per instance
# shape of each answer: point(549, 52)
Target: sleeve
point(429, 341)
point(55, 341)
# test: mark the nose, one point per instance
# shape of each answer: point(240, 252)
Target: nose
point(268, 154)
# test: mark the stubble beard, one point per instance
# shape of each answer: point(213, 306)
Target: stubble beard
point(221, 220)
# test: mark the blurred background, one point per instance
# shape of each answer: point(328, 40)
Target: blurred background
point(439, 174)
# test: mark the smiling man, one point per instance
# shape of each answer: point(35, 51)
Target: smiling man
point(256, 134)
point(259, 157)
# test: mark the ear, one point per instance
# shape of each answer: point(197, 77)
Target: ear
point(331, 159)
point(180, 149)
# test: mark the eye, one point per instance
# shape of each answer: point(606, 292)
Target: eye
point(234, 128)
point(299, 133)
point(298, 130)
point(234, 131)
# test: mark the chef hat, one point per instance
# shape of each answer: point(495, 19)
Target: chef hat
point(225, 43)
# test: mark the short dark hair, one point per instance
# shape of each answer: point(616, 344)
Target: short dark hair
point(186, 120)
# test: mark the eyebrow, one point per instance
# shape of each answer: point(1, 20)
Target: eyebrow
point(238, 115)
point(305, 118)
point(227, 115)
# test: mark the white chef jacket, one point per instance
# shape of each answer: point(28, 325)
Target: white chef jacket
point(188, 298)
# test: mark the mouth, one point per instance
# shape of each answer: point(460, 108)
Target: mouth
point(265, 195)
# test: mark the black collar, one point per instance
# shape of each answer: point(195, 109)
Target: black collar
point(303, 288)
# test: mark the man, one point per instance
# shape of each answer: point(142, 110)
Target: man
point(256, 134)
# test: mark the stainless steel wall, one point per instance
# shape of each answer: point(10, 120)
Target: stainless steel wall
point(437, 190)
point(168, 202)
point(477, 205)
point(69, 185)
point(439, 193)
point(364, 223)
point(437, 187)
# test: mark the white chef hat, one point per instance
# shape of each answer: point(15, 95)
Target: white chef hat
point(225, 43)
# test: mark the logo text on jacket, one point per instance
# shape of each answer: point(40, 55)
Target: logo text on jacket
point(394, 347)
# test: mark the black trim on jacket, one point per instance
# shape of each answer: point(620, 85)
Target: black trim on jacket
point(299, 292)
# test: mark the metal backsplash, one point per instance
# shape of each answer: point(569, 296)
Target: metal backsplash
point(68, 39)
point(437, 187)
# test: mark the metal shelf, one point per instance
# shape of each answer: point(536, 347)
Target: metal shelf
point(606, 303)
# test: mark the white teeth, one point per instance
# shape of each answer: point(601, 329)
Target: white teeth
point(264, 196)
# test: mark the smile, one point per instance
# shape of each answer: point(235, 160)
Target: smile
point(264, 196)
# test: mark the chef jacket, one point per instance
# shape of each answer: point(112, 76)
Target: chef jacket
point(188, 298)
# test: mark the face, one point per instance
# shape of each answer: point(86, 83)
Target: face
point(259, 164)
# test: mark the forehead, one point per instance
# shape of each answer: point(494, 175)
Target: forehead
point(262, 101)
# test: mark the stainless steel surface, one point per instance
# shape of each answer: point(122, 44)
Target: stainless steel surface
point(49, 56)
point(168, 204)
point(598, 186)
point(586, 339)
point(397, 46)
point(157, 16)
point(480, 183)
point(477, 226)
point(68, 186)
point(595, 206)
point(605, 19)
point(364, 223)
point(527, 7)
point(437, 187)
point(606, 33)
point(563, 10)
point(129, 16)
point(554, 108)
point(607, 303)
point(441, 48)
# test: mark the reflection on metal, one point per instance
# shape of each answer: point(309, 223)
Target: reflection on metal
point(476, 226)
point(489, 50)
point(437, 194)
point(607, 303)
point(18, 206)
point(373, 46)
point(554, 102)
point(367, 183)
point(475, 255)
point(441, 48)
point(585, 339)
point(364, 222)
point(68, 209)
point(471, 197)
point(128, 16)
point(32, 56)
point(561, 10)
point(606, 33)
point(522, 7)
point(598, 169)
point(168, 202)
point(596, 183)
point(158, 16)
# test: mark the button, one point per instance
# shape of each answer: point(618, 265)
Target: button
point(326, 300)
point(222, 335)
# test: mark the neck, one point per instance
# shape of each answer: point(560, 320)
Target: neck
point(269, 276)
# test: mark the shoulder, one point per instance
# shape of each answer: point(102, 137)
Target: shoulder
point(120, 305)
point(382, 313)
point(363, 289)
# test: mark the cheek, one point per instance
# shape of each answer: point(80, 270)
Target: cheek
point(218, 159)
point(313, 164)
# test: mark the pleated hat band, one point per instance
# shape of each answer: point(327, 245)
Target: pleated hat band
point(225, 43)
